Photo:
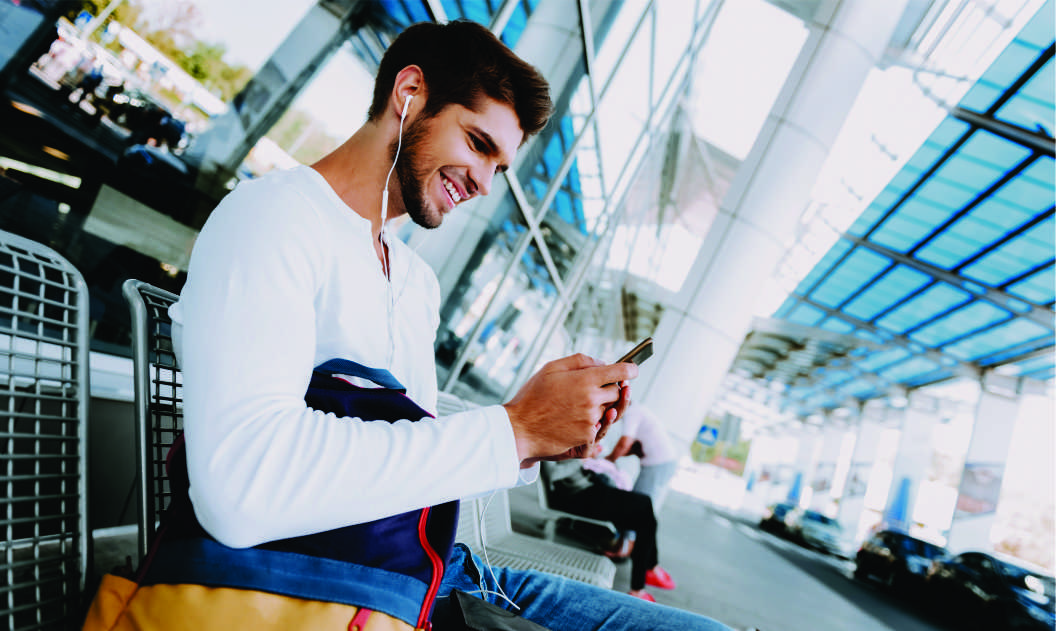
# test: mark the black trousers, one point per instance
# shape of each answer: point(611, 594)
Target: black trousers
point(628, 511)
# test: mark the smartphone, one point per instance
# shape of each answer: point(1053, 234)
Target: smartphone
point(640, 353)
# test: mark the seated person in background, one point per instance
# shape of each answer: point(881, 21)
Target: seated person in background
point(608, 472)
point(577, 491)
point(644, 436)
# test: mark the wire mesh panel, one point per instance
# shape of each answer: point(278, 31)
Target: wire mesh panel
point(159, 400)
point(43, 414)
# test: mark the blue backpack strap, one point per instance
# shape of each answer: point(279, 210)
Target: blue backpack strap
point(379, 376)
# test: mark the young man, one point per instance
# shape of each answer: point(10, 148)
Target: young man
point(295, 287)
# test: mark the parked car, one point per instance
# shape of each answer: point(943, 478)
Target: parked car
point(774, 521)
point(896, 559)
point(987, 592)
point(816, 530)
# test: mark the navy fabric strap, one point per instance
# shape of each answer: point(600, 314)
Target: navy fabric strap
point(379, 376)
point(201, 561)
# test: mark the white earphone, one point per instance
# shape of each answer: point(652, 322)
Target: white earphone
point(406, 104)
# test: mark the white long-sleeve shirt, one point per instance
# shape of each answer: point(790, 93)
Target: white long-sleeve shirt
point(283, 277)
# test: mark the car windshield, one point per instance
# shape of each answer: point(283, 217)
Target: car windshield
point(818, 517)
point(921, 548)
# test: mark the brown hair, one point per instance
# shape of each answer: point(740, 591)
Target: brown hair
point(463, 61)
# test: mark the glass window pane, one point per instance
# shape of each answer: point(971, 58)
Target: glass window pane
point(624, 109)
point(674, 28)
point(612, 30)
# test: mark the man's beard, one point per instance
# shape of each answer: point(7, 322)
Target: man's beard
point(410, 176)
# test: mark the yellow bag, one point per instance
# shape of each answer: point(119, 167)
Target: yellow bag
point(121, 604)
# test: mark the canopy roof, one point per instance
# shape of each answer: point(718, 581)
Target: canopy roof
point(949, 271)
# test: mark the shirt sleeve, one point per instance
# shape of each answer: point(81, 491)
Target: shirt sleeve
point(262, 465)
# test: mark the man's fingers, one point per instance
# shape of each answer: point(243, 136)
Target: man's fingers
point(613, 374)
point(572, 362)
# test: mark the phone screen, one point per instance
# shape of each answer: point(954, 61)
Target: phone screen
point(640, 353)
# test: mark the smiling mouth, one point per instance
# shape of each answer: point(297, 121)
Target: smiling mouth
point(451, 190)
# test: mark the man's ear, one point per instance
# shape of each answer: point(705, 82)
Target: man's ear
point(410, 82)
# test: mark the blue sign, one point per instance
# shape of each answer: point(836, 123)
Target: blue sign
point(82, 19)
point(708, 435)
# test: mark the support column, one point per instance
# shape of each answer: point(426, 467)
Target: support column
point(808, 447)
point(911, 460)
point(704, 325)
point(852, 502)
point(761, 468)
point(824, 472)
point(984, 467)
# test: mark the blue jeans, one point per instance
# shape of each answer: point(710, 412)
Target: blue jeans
point(559, 603)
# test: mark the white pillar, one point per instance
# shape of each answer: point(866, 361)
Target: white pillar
point(805, 458)
point(984, 468)
point(824, 472)
point(911, 460)
point(762, 466)
point(852, 502)
point(704, 325)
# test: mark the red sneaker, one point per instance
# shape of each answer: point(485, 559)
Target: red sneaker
point(658, 577)
point(644, 595)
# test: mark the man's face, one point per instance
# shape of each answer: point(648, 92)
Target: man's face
point(452, 157)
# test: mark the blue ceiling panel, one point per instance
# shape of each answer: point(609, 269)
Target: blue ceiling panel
point(1037, 363)
point(834, 254)
point(1027, 192)
point(964, 239)
point(959, 322)
point(913, 222)
point(1039, 288)
point(786, 307)
point(1016, 257)
point(1010, 64)
point(1044, 375)
point(861, 389)
point(990, 151)
point(857, 268)
point(1029, 113)
point(871, 336)
point(937, 299)
point(998, 213)
point(949, 131)
point(836, 377)
point(981, 96)
point(946, 193)
point(908, 176)
point(806, 315)
point(1005, 355)
point(837, 325)
point(1011, 333)
point(891, 289)
point(927, 155)
point(878, 360)
point(1042, 172)
point(908, 369)
point(1037, 33)
point(867, 219)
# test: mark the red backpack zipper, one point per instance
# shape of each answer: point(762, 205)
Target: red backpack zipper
point(438, 571)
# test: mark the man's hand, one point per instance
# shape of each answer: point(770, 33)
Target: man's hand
point(568, 405)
